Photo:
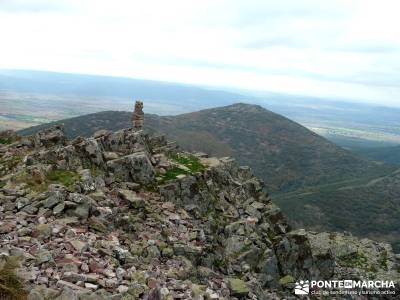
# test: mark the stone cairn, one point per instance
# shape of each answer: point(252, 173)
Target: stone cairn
point(138, 115)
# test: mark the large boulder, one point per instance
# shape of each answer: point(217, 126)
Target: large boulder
point(91, 152)
point(295, 256)
point(124, 141)
point(335, 253)
point(50, 137)
point(135, 167)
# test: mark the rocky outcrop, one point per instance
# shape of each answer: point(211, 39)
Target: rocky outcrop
point(135, 167)
point(125, 215)
point(49, 137)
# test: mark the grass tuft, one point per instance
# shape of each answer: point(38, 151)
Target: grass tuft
point(11, 286)
point(6, 141)
point(9, 163)
point(383, 261)
point(189, 161)
point(356, 260)
point(64, 177)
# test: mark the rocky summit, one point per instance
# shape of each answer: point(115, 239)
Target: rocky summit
point(127, 215)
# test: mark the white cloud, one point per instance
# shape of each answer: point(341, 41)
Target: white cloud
point(332, 48)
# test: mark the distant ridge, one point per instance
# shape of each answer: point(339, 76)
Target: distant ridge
point(316, 183)
point(286, 154)
point(390, 155)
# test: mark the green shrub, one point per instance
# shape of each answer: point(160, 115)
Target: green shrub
point(219, 264)
point(5, 141)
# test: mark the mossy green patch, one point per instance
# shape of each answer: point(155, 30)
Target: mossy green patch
point(238, 287)
point(286, 280)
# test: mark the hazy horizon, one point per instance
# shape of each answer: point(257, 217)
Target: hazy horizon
point(261, 97)
point(344, 50)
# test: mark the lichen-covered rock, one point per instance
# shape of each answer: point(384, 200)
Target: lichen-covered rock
point(363, 256)
point(54, 198)
point(238, 287)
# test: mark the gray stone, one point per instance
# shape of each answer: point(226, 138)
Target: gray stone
point(110, 155)
point(58, 209)
point(79, 245)
point(22, 202)
point(73, 277)
point(91, 286)
point(31, 209)
point(152, 252)
point(82, 211)
point(54, 198)
point(93, 151)
point(135, 167)
point(43, 231)
point(132, 198)
point(44, 256)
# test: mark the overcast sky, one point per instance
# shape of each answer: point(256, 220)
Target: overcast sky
point(332, 48)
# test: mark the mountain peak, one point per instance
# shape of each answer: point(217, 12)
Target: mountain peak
point(307, 175)
point(246, 105)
